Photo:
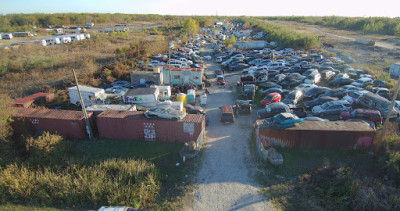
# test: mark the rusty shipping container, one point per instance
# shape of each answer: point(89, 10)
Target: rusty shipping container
point(133, 125)
point(317, 135)
point(70, 124)
point(39, 97)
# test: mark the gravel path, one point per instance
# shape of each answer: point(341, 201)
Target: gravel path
point(223, 181)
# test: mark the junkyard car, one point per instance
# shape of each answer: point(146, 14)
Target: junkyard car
point(272, 110)
point(227, 114)
point(331, 108)
point(271, 98)
point(167, 113)
point(242, 106)
point(193, 109)
point(283, 120)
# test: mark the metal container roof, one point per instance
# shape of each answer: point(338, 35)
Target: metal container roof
point(87, 89)
point(329, 126)
point(141, 91)
point(195, 118)
point(49, 114)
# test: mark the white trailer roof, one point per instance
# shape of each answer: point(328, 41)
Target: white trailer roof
point(87, 89)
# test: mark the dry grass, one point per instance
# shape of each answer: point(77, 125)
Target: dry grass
point(28, 68)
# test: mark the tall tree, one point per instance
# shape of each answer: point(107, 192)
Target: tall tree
point(191, 27)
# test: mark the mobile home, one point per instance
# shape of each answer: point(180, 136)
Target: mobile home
point(90, 95)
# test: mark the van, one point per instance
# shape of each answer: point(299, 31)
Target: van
point(374, 101)
point(227, 114)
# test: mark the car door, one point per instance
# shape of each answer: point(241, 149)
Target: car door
point(335, 109)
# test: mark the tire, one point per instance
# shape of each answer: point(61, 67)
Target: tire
point(322, 115)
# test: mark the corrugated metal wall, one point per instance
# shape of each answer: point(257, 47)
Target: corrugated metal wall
point(70, 124)
point(346, 135)
point(131, 125)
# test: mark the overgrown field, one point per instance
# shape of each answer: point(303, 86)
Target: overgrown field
point(336, 180)
point(32, 68)
point(379, 25)
point(50, 171)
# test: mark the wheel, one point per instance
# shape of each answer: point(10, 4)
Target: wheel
point(322, 115)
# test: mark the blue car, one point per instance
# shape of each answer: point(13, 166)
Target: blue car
point(283, 120)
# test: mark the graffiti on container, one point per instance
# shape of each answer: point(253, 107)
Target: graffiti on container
point(149, 131)
point(35, 121)
point(188, 127)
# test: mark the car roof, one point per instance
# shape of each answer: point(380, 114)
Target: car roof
point(366, 111)
point(277, 105)
point(226, 109)
point(273, 94)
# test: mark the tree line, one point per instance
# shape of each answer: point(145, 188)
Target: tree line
point(26, 22)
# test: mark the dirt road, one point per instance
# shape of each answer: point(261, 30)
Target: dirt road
point(223, 181)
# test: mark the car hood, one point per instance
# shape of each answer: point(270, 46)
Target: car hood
point(317, 109)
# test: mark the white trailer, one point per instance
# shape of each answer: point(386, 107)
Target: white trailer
point(75, 37)
point(142, 96)
point(90, 95)
point(164, 91)
point(65, 39)
point(7, 36)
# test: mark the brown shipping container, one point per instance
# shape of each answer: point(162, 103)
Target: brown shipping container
point(133, 125)
point(70, 124)
point(317, 135)
point(39, 97)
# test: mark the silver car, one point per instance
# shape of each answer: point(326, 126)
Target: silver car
point(331, 108)
point(167, 113)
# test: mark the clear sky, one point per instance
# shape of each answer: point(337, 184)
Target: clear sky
point(363, 8)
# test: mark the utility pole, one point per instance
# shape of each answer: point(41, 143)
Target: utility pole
point(169, 67)
point(88, 128)
point(385, 126)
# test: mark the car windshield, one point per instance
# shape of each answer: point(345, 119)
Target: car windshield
point(325, 106)
point(278, 118)
point(354, 95)
point(169, 110)
point(291, 95)
point(268, 97)
point(220, 78)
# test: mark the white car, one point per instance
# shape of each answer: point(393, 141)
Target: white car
point(342, 75)
point(207, 57)
point(313, 78)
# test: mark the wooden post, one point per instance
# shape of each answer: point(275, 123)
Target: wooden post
point(88, 128)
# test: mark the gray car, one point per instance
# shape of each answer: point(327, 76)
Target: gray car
point(331, 108)
point(167, 113)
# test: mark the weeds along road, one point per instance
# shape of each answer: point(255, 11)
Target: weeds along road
point(223, 181)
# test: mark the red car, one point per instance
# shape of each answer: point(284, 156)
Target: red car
point(364, 114)
point(271, 98)
point(220, 80)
